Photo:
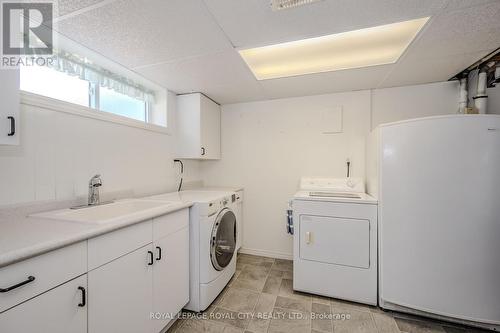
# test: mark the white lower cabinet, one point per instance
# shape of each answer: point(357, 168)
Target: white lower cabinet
point(128, 275)
point(60, 310)
point(170, 277)
point(120, 294)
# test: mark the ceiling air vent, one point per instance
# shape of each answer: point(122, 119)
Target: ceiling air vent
point(285, 4)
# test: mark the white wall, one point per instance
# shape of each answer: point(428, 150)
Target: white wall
point(399, 103)
point(267, 146)
point(59, 152)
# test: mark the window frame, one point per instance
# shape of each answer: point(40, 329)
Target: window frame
point(93, 92)
point(35, 100)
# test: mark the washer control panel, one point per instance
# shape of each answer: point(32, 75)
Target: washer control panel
point(216, 205)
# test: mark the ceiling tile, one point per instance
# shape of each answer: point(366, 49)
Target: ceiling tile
point(65, 7)
point(221, 76)
point(461, 31)
point(253, 23)
point(143, 32)
point(455, 4)
point(322, 83)
point(416, 69)
point(236, 92)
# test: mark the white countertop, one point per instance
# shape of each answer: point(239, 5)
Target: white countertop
point(219, 188)
point(23, 237)
point(202, 195)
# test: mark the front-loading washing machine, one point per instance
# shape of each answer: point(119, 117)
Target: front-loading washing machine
point(212, 243)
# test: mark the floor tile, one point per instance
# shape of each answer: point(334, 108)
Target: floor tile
point(254, 272)
point(251, 259)
point(276, 273)
point(200, 326)
point(265, 304)
point(321, 299)
point(251, 284)
point(287, 321)
point(239, 300)
point(385, 323)
point(235, 276)
point(283, 265)
point(272, 285)
point(227, 317)
point(345, 306)
point(416, 326)
point(321, 321)
point(293, 304)
point(259, 325)
point(359, 322)
point(176, 325)
point(230, 329)
point(265, 286)
point(286, 289)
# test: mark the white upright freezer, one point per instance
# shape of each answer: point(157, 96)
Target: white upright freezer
point(437, 180)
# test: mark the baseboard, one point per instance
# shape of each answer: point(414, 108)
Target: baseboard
point(265, 253)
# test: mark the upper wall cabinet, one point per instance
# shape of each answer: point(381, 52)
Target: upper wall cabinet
point(198, 127)
point(9, 106)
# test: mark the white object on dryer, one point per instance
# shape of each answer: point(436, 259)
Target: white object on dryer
point(335, 239)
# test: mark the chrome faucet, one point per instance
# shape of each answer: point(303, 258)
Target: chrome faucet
point(94, 184)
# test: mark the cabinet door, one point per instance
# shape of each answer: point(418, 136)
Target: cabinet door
point(60, 310)
point(120, 294)
point(171, 276)
point(9, 107)
point(210, 129)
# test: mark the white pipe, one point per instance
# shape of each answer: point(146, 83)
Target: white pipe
point(462, 103)
point(481, 99)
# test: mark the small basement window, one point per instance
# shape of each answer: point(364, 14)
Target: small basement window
point(76, 80)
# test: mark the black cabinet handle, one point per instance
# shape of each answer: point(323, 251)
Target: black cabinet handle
point(12, 126)
point(84, 297)
point(28, 280)
point(202, 151)
point(159, 253)
point(151, 257)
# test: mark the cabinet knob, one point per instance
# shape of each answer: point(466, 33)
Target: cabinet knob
point(12, 126)
point(84, 297)
point(158, 258)
point(151, 258)
point(202, 151)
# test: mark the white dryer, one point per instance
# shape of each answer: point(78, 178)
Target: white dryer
point(335, 239)
point(213, 238)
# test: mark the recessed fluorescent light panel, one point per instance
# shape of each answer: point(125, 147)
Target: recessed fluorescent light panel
point(285, 4)
point(379, 45)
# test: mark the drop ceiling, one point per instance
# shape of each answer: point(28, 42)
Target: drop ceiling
point(191, 46)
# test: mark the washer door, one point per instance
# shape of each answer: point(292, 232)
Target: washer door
point(223, 241)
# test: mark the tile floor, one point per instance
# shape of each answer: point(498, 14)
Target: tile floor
point(260, 299)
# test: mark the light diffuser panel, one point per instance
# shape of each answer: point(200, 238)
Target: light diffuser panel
point(353, 49)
